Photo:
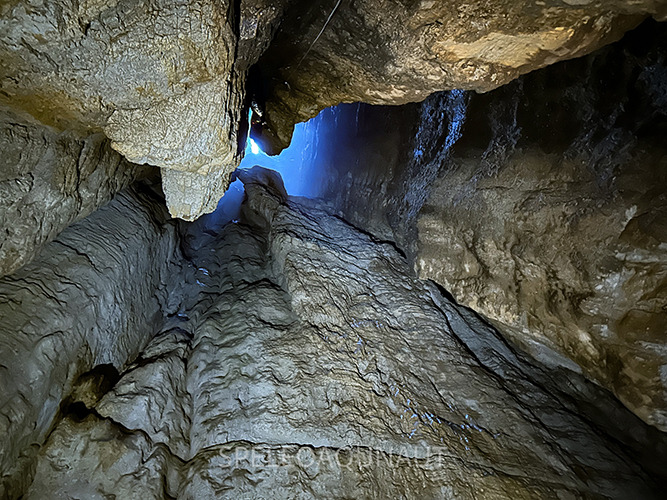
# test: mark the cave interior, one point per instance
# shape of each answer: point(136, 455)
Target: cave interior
point(333, 249)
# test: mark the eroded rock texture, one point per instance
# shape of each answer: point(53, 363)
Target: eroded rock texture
point(294, 353)
point(92, 299)
point(384, 161)
point(545, 202)
point(48, 180)
point(164, 80)
point(311, 363)
point(394, 52)
point(549, 218)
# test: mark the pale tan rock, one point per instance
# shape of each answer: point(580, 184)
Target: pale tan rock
point(392, 52)
point(166, 81)
point(157, 79)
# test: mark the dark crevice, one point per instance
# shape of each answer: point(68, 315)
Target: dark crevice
point(92, 386)
point(374, 238)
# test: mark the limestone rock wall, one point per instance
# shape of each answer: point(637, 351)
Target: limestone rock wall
point(163, 80)
point(295, 353)
point(394, 52)
point(549, 218)
point(92, 299)
point(311, 363)
point(48, 180)
point(167, 81)
point(538, 204)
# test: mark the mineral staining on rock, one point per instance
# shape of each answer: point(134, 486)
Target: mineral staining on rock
point(392, 52)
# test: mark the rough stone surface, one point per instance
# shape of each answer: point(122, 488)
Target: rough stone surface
point(294, 353)
point(384, 160)
point(48, 180)
point(311, 363)
point(545, 174)
point(159, 91)
point(393, 52)
point(549, 218)
point(93, 298)
point(164, 80)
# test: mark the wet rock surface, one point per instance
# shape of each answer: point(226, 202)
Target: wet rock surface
point(309, 362)
point(91, 300)
point(386, 161)
point(548, 219)
point(49, 180)
point(538, 204)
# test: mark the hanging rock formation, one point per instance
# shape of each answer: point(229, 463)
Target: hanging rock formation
point(163, 80)
point(166, 81)
point(395, 52)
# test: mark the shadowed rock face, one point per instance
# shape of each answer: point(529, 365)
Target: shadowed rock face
point(539, 205)
point(296, 353)
point(307, 361)
point(94, 296)
point(549, 217)
point(49, 180)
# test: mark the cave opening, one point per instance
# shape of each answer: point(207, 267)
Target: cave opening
point(303, 164)
point(309, 165)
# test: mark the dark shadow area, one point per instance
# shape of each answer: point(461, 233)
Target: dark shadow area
point(88, 390)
